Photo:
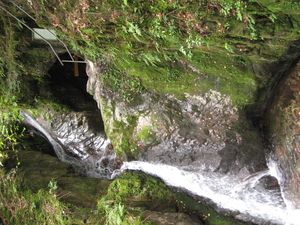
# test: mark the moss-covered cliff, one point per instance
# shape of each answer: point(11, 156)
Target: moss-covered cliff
point(160, 70)
point(176, 47)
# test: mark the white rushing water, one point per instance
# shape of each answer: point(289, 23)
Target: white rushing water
point(241, 195)
point(228, 192)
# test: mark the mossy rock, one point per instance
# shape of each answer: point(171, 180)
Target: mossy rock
point(142, 192)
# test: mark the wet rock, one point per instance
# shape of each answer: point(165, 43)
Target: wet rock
point(170, 218)
point(77, 139)
point(283, 123)
point(269, 183)
point(82, 132)
point(200, 132)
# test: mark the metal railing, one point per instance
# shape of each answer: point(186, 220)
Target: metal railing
point(45, 40)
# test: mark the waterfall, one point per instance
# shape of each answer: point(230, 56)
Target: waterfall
point(242, 195)
point(75, 143)
point(226, 191)
point(57, 146)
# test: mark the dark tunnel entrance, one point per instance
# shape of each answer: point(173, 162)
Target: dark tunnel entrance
point(68, 86)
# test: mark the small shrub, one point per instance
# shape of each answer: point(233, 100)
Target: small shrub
point(24, 207)
point(10, 130)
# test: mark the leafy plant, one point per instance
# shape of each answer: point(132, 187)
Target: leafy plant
point(228, 47)
point(10, 131)
point(52, 186)
point(19, 207)
point(130, 186)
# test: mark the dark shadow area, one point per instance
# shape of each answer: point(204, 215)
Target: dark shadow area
point(277, 72)
point(32, 141)
point(68, 85)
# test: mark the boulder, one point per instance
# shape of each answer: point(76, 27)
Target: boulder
point(204, 131)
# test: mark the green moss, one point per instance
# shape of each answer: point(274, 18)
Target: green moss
point(138, 186)
point(162, 79)
point(217, 70)
point(119, 132)
point(146, 135)
point(127, 88)
point(143, 191)
point(228, 74)
point(131, 187)
point(143, 42)
point(121, 136)
point(45, 108)
point(40, 58)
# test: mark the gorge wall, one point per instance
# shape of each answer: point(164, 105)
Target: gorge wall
point(284, 127)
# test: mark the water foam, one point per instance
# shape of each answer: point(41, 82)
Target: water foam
point(227, 192)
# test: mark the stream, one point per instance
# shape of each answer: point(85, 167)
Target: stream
point(243, 197)
point(76, 140)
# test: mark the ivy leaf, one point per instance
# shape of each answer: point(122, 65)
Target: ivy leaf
point(228, 47)
point(273, 17)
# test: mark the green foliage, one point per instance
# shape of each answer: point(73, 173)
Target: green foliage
point(14, 67)
point(131, 186)
point(9, 87)
point(138, 186)
point(116, 214)
point(10, 130)
point(10, 70)
point(145, 39)
point(18, 207)
point(52, 186)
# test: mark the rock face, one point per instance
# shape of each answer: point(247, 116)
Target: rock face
point(76, 141)
point(202, 131)
point(284, 127)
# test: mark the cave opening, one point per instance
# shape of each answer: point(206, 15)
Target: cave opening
point(68, 86)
